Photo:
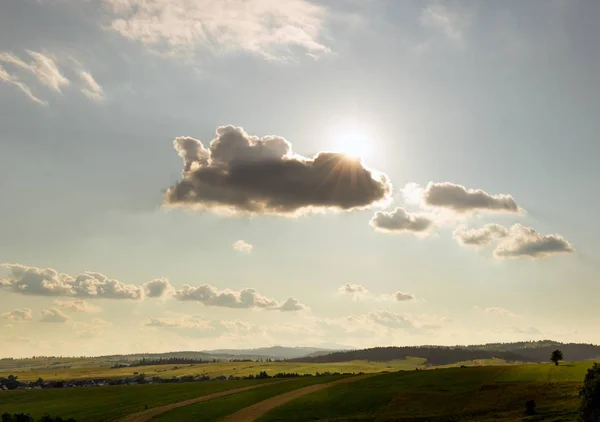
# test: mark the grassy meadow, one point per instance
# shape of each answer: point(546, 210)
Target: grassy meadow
point(219, 408)
point(484, 393)
point(210, 369)
point(109, 403)
point(492, 393)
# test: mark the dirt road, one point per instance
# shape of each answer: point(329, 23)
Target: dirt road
point(255, 411)
point(147, 415)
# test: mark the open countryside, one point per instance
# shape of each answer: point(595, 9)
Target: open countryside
point(334, 389)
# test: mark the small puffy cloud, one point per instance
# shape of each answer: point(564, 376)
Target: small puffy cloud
point(22, 314)
point(401, 221)
point(186, 322)
point(524, 241)
point(160, 288)
point(356, 291)
point(462, 200)
point(76, 305)
point(243, 174)
point(174, 28)
point(54, 315)
point(499, 311)
point(245, 298)
point(291, 304)
point(242, 247)
point(402, 296)
point(48, 282)
point(479, 237)
point(389, 319)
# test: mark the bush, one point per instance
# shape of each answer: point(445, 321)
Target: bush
point(530, 407)
point(590, 395)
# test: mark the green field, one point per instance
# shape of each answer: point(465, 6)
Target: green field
point(109, 403)
point(211, 369)
point(218, 408)
point(486, 393)
point(480, 393)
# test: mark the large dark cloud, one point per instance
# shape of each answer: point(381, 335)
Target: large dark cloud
point(240, 173)
point(460, 199)
point(401, 221)
point(524, 241)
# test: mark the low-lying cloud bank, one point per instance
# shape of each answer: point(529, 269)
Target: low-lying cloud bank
point(517, 242)
point(48, 282)
point(243, 174)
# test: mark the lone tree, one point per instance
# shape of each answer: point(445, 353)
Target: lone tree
point(590, 395)
point(556, 356)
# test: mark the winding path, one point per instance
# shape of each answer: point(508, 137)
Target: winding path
point(147, 415)
point(251, 413)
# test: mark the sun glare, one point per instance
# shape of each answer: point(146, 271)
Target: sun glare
point(353, 142)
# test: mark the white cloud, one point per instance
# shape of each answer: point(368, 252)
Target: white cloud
point(54, 315)
point(48, 282)
point(185, 322)
point(245, 298)
point(160, 287)
point(22, 314)
point(443, 19)
point(91, 88)
point(291, 305)
point(500, 311)
point(479, 237)
point(531, 331)
point(462, 200)
point(356, 291)
point(14, 80)
point(401, 221)
point(76, 305)
point(273, 29)
point(42, 66)
point(524, 241)
point(402, 296)
point(242, 247)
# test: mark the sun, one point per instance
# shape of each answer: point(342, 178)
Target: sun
point(353, 142)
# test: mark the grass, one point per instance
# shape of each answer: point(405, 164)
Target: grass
point(108, 403)
point(211, 369)
point(488, 393)
point(218, 408)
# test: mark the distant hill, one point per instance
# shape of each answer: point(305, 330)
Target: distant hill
point(276, 352)
point(440, 355)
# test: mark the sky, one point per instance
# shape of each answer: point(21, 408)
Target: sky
point(192, 174)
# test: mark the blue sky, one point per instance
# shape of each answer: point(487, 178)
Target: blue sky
point(477, 137)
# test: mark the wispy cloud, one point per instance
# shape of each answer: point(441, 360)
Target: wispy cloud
point(273, 29)
point(14, 80)
point(443, 19)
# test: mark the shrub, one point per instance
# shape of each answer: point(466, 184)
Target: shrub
point(590, 395)
point(530, 407)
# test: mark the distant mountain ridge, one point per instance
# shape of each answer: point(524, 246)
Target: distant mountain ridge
point(538, 351)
